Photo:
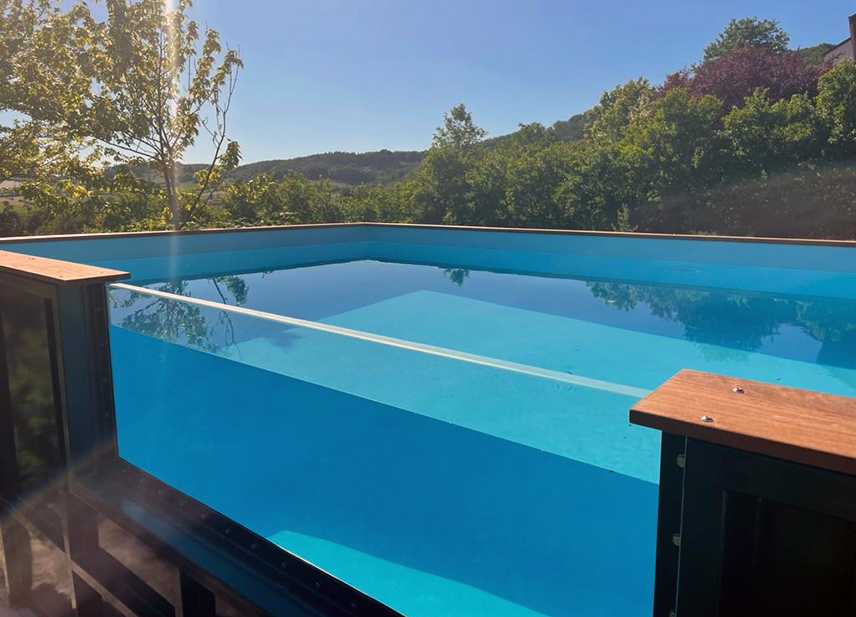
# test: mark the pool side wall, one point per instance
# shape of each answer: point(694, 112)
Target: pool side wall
point(744, 264)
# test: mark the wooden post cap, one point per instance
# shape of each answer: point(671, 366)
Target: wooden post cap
point(802, 426)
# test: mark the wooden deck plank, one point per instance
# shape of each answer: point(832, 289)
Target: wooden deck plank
point(802, 426)
point(56, 271)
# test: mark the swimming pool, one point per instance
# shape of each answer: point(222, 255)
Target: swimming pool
point(439, 418)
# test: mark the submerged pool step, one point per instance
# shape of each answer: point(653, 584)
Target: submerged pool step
point(570, 415)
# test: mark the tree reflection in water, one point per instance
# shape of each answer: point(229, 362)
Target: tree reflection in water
point(456, 275)
point(742, 321)
point(180, 322)
point(731, 322)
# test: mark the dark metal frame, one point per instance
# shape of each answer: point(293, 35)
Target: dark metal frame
point(672, 466)
point(20, 517)
point(711, 504)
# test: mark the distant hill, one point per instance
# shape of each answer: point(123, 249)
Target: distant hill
point(814, 55)
point(343, 167)
point(570, 129)
point(353, 168)
point(185, 172)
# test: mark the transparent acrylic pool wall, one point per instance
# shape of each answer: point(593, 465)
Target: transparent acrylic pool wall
point(341, 459)
point(440, 483)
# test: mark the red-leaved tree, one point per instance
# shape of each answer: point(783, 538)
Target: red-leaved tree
point(738, 73)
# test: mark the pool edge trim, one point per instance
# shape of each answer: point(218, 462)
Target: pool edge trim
point(463, 228)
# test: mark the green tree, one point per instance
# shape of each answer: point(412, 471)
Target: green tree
point(136, 87)
point(836, 107)
point(598, 186)
point(458, 130)
point(677, 147)
point(617, 108)
point(87, 200)
point(155, 88)
point(130, 204)
point(515, 183)
point(311, 202)
point(749, 131)
point(376, 203)
point(764, 136)
point(259, 201)
point(296, 199)
point(40, 59)
point(801, 134)
point(442, 188)
point(748, 32)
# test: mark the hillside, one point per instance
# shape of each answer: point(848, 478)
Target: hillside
point(381, 167)
point(185, 172)
point(570, 129)
point(349, 168)
point(814, 55)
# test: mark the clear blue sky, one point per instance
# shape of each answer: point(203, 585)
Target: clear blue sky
point(362, 75)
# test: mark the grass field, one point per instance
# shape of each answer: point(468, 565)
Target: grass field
point(13, 200)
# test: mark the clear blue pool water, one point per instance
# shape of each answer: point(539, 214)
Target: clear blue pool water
point(450, 441)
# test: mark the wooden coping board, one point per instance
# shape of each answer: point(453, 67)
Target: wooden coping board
point(802, 426)
point(56, 271)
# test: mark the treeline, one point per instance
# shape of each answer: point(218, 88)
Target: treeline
point(754, 140)
point(750, 143)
